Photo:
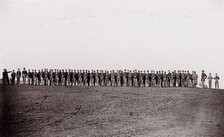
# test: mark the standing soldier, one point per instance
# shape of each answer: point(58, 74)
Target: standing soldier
point(144, 79)
point(112, 78)
point(5, 77)
point(71, 77)
point(121, 78)
point(182, 79)
point(13, 77)
point(203, 77)
point(169, 78)
point(54, 77)
point(189, 84)
point(210, 81)
point(216, 81)
point(59, 77)
point(159, 79)
point(88, 78)
point(29, 77)
point(35, 77)
point(76, 78)
point(125, 78)
point(18, 76)
point(66, 77)
point(42, 77)
point(118, 78)
point(32, 77)
point(130, 78)
point(24, 75)
point(195, 79)
point(80, 78)
point(39, 77)
point(91, 78)
point(164, 79)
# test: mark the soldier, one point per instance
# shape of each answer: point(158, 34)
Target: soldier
point(88, 78)
point(76, 78)
point(118, 78)
point(80, 78)
point(125, 78)
point(188, 75)
point(54, 77)
point(71, 77)
point(164, 84)
point(5, 77)
point(178, 79)
point(24, 75)
point(144, 79)
point(216, 81)
point(39, 77)
point(66, 77)
point(35, 77)
point(112, 78)
point(169, 78)
point(59, 77)
point(42, 77)
point(13, 77)
point(46, 77)
point(210, 81)
point(182, 79)
point(29, 77)
point(130, 78)
point(153, 80)
point(32, 77)
point(195, 79)
point(18, 76)
point(203, 77)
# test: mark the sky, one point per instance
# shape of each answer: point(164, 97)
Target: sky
point(113, 34)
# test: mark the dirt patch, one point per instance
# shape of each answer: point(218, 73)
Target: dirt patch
point(110, 112)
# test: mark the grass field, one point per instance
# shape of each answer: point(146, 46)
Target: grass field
point(48, 111)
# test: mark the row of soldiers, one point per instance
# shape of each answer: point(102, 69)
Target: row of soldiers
point(134, 78)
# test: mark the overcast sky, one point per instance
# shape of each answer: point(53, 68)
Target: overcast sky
point(113, 34)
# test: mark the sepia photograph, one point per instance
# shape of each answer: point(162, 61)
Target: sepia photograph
point(111, 68)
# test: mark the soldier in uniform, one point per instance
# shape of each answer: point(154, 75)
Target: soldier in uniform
point(29, 77)
point(5, 77)
point(189, 84)
point(164, 83)
point(203, 77)
point(169, 78)
point(18, 76)
point(59, 77)
point(35, 77)
point(54, 77)
point(39, 77)
point(13, 77)
point(195, 79)
point(71, 77)
point(125, 78)
point(24, 75)
point(210, 78)
point(130, 78)
point(216, 81)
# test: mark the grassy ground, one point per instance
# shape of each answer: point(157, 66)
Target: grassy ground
point(110, 112)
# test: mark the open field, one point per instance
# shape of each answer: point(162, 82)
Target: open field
point(50, 111)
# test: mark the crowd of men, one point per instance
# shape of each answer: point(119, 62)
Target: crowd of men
point(126, 78)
